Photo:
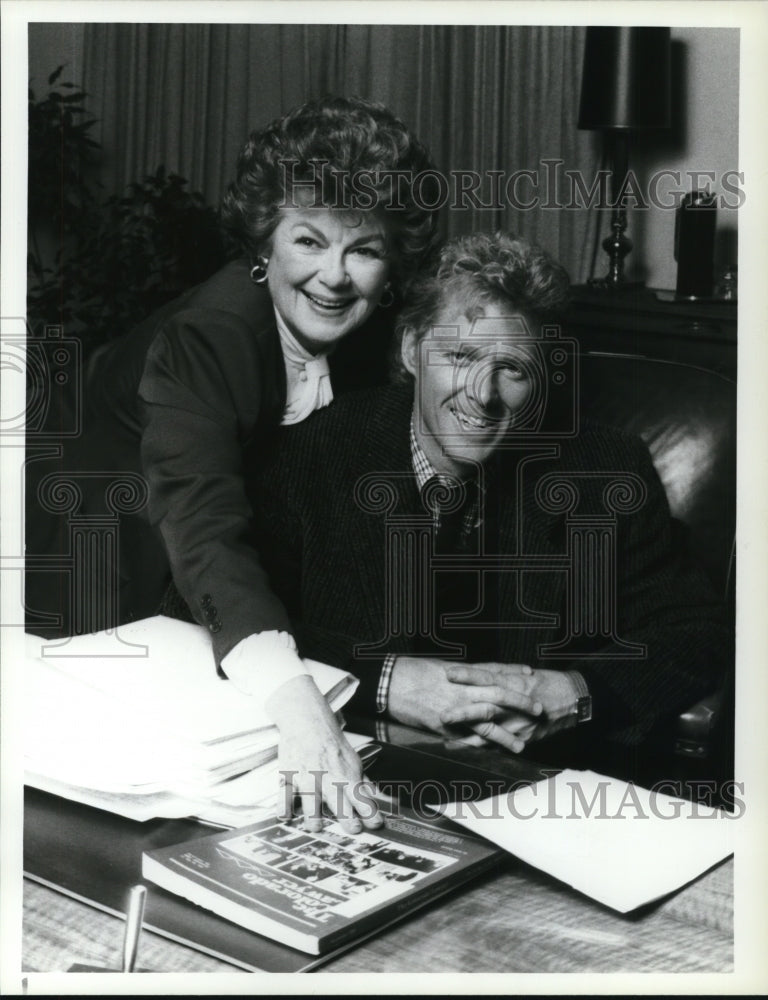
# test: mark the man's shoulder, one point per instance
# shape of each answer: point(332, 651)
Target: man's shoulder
point(317, 457)
point(596, 449)
point(599, 445)
point(358, 429)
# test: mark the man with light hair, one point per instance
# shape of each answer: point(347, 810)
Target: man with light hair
point(483, 563)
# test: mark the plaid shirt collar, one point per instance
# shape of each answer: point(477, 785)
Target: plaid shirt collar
point(422, 467)
point(424, 471)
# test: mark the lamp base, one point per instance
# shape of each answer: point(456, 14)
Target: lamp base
point(617, 246)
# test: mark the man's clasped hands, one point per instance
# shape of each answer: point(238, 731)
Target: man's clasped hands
point(504, 703)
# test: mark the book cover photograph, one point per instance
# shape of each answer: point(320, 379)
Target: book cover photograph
point(313, 891)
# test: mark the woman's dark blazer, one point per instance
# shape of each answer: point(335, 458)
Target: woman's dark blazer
point(213, 384)
point(179, 400)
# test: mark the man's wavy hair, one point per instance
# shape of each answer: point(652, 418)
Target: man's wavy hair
point(472, 272)
point(334, 153)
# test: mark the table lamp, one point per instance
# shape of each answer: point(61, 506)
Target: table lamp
point(625, 88)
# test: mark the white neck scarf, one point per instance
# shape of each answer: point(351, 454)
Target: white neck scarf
point(307, 377)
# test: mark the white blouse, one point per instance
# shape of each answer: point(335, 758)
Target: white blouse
point(307, 377)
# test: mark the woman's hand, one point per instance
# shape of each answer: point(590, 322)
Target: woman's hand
point(316, 762)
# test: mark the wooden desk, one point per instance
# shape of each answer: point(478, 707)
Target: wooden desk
point(519, 920)
point(515, 919)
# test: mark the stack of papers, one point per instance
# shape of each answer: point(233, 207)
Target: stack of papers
point(159, 734)
point(617, 842)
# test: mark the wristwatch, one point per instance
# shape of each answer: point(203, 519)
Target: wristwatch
point(582, 708)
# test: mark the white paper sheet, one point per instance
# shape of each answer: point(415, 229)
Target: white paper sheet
point(621, 844)
point(156, 730)
point(175, 684)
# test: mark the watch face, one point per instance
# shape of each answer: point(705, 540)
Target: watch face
point(584, 709)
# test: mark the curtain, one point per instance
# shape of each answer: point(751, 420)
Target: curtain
point(482, 98)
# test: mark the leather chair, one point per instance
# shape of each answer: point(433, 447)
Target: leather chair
point(687, 416)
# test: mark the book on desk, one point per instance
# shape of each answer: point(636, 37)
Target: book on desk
point(318, 891)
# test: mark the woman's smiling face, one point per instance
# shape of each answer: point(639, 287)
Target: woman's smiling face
point(327, 272)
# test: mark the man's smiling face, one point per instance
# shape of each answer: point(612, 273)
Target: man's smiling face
point(472, 378)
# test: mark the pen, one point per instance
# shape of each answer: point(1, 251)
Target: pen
point(133, 922)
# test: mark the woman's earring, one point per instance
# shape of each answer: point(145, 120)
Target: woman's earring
point(258, 272)
point(387, 292)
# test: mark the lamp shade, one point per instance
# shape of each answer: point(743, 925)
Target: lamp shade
point(625, 78)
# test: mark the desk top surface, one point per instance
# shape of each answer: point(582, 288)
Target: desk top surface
point(517, 921)
point(514, 919)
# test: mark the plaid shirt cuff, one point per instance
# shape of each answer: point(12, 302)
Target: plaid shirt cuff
point(385, 677)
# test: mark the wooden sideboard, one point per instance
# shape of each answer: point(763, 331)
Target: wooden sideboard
point(652, 323)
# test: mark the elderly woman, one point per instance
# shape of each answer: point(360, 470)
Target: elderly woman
point(326, 238)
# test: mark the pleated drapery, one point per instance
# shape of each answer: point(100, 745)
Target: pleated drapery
point(482, 98)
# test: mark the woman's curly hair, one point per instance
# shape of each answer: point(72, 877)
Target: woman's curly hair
point(478, 270)
point(346, 153)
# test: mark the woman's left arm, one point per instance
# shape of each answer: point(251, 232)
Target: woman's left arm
point(205, 389)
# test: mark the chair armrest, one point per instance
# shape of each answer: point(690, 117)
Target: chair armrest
point(695, 727)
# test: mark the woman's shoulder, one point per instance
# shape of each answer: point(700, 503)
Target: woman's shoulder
point(225, 317)
point(227, 301)
point(227, 322)
point(231, 291)
point(218, 349)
